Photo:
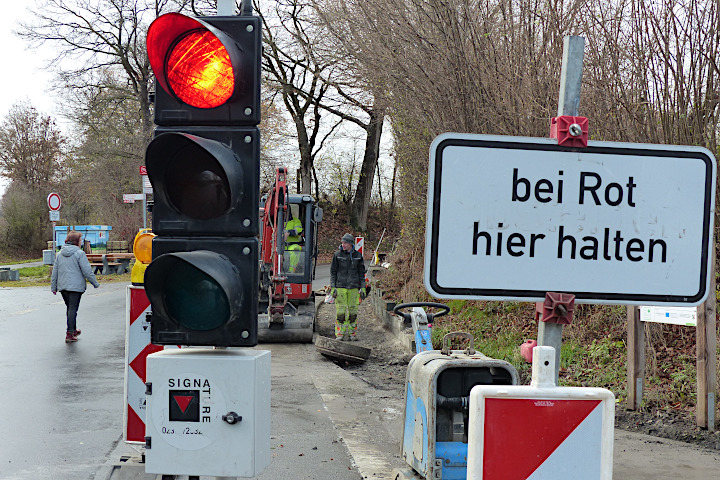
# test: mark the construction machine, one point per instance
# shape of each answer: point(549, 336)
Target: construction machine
point(288, 254)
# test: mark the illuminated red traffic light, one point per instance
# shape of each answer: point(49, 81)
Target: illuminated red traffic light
point(193, 60)
point(199, 70)
point(204, 164)
point(207, 69)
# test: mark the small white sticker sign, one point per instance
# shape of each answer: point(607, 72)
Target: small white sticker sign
point(686, 316)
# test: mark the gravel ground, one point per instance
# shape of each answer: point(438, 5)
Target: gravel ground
point(671, 425)
point(386, 367)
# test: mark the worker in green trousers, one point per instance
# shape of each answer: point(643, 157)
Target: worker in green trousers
point(347, 281)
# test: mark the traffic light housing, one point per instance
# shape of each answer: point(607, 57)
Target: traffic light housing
point(205, 181)
point(203, 164)
point(203, 291)
point(207, 69)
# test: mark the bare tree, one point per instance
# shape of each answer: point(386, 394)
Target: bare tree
point(24, 222)
point(360, 203)
point(274, 140)
point(294, 73)
point(104, 78)
point(92, 36)
point(452, 65)
point(32, 154)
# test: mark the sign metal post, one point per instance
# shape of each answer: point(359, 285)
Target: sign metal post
point(54, 202)
point(143, 175)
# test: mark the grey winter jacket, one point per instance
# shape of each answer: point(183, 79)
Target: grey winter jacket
point(347, 269)
point(71, 269)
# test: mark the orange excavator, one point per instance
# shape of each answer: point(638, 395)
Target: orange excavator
point(288, 254)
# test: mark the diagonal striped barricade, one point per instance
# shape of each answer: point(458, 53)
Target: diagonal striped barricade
point(137, 348)
point(541, 431)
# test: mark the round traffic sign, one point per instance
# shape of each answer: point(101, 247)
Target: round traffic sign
point(53, 201)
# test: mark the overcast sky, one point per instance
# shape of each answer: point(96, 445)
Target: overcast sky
point(23, 76)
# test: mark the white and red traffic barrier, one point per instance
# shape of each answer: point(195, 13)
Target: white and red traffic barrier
point(360, 245)
point(137, 348)
point(540, 431)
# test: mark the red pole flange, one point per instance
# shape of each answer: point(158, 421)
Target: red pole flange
point(570, 131)
point(558, 308)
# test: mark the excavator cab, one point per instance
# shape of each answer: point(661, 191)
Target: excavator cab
point(301, 251)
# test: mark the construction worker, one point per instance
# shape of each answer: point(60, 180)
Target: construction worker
point(347, 281)
point(293, 237)
point(293, 227)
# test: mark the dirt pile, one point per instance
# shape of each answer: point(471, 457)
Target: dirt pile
point(386, 367)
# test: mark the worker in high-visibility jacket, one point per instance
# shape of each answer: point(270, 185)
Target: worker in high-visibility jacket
point(293, 239)
point(347, 282)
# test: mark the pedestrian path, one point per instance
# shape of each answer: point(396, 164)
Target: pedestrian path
point(21, 265)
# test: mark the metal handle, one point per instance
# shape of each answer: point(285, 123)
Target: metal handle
point(232, 418)
point(430, 316)
point(470, 350)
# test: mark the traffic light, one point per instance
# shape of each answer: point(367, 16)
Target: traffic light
point(203, 291)
point(203, 164)
point(205, 181)
point(208, 69)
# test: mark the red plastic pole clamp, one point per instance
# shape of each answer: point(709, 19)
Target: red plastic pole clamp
point(558, 308)
point(569, 131)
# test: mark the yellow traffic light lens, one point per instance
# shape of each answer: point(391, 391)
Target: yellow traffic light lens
point(199, 70)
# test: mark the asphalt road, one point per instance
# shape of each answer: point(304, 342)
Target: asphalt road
point(61, 405)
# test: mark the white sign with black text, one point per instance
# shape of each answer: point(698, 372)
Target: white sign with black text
point(510, 218)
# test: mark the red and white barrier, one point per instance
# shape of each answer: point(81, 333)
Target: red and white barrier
point(360, 244)
point(540, 431)
point(137, 348)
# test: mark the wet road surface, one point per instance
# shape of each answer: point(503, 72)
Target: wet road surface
point(60, 401)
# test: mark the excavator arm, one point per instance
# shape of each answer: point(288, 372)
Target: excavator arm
point(273, 246)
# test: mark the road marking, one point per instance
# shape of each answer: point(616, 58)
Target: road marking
point(23, 312)
point(369, 459)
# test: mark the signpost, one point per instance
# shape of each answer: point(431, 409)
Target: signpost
point(592, 222)
point(510, 218)
point(54, 203)
point(147, 190)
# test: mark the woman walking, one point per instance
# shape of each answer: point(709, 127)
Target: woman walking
point(68, 276)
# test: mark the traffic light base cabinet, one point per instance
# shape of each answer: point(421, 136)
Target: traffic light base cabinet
point(208, 412)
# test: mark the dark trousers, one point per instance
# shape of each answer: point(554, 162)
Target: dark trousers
point(72, 301)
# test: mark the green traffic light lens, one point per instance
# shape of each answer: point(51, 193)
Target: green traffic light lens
point(194, 299)
point(197, 185)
